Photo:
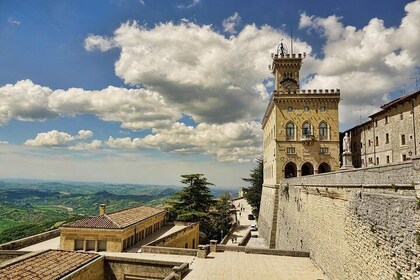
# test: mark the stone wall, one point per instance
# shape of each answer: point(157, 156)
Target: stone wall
point(121, 268)
point(357, 224)
point(11, 254)
point(30, 240)
point(93, 271)
point(184, 238)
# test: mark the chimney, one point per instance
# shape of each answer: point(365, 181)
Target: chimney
point(102, 209)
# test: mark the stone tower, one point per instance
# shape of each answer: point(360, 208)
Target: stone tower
point(301, 135)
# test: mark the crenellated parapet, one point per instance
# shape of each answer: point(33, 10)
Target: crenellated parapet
point(309, 91)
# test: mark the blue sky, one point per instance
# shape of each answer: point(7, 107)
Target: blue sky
point(143, 91)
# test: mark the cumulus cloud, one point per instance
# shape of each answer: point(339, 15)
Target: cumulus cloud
point(59, 139)
point(366, 63)
point(239, 142)
point(135, 108)
point(51, 138)
point(230, 24)
point(203, 74)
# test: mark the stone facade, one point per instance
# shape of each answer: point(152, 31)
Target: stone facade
point(356, 224)
point(301, 135)
point(97, 235)
point(391, 135)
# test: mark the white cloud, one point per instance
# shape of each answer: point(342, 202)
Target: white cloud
point(230, 24)
point(142, 2)
point(51, 138)
point(193, 3)
point(84, 134)
point(94, 145)
point(59, 139)
point(12, 21)
point(366, 63)
point(24, 101)
point(240, 142)
point(103, 44)
point(3, 142)
point(134, 108)
point(197, 70)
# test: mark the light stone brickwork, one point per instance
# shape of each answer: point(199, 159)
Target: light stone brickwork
point(391, 135)
point(300, 135)
point(357, 224)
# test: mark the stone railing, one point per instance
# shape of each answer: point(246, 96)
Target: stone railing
point(169, 250)
point(397, 175)
point(30, 240)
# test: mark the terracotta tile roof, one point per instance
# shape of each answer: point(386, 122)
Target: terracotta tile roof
point(117, 220)
point(51, 264)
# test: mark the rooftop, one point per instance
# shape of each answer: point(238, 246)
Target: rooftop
point(117, 220)
point(51, 264)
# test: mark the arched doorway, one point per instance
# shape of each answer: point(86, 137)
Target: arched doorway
point(290, 170)
point(324, 168)
point(307, 169)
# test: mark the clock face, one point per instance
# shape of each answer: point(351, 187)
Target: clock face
point(288, 86)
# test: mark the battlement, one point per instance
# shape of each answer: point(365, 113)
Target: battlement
point(310, 91)
point(287, 55)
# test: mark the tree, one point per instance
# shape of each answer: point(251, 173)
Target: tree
point(253, 195)
point(220, 218)
point(193, 202)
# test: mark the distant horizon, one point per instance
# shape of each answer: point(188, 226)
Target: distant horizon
point(71, 182)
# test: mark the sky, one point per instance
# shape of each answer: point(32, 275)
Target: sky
point(142, 91)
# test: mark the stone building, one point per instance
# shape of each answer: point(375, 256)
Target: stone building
point(392, 135)
point(112, 232)
point(301, 135)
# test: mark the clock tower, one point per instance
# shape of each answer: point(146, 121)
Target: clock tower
point(301, 135)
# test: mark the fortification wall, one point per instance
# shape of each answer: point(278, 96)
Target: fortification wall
point(358, 224)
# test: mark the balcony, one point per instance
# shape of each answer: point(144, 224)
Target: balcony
point(307, 139)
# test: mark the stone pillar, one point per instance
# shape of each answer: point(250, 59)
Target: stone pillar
point(213, 246)
point(347, 159)
point(203, 251)
point(416, 174)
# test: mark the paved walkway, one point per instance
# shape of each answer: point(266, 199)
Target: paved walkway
point(53, 243)
point(241, 266)
point(242, 211)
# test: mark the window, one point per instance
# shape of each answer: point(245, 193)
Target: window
point(290, 130)
point(370, 160)
point(402, 139)
point(323, 130)
point(90, 245)
point(322, 109)
point(376, 141)
point(376, 123)
point(369, 143)
point(386, 138)
point(306, 109)
point(306, 129)
point(404, 157)
point(401, 116)
point(377, 161)
point(290, 150)
point(324, 151)
point(387, 159)
point(102, 245)
point(386, 119)
point(78, 244)
point(290, 109)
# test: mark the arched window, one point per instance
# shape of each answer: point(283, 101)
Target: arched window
point(323, 130)
point(306, 129)
point(290, 130)
point(307, 169)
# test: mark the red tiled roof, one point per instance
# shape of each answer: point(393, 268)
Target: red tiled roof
point(117, 220)
point(49, 265)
